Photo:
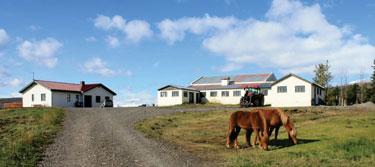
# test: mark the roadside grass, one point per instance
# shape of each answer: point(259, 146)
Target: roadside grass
point(326, 138)
point(25, 132)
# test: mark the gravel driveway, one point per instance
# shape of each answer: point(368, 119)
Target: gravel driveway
point(106, 137)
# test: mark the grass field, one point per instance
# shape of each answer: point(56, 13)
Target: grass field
point(25, 132)
point(327, 137)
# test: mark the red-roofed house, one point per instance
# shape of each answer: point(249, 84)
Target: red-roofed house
point(60, 94)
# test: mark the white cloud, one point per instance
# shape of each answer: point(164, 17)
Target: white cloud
point(11, 83)
point(4, 38)
point(91, 39)
point(98, 66)
point(131, 98)
point(34, 28)
point(174, 30)
point(135, 30)
point(293, 37)
point(42, 52)
point(112, 41)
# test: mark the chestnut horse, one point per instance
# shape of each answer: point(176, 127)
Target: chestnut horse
point(275, 119)
point(251, 121)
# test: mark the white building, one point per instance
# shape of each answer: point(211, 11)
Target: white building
point(293, 91)
point(59, 94)
point(230, 89)
point(174, 95)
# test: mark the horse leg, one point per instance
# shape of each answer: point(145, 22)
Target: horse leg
point(248, 136)
point(237, 131)
point(230, 136)
point(256, 131)
point(276, 132)
point(271, 129)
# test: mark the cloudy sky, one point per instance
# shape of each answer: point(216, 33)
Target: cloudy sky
point(135, 47)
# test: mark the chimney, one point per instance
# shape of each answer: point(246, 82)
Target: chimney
point(82, 83)
point(225, 81)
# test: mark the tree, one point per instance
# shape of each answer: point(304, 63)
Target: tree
point(322, 74)
point(352, 94)
point(372, 89)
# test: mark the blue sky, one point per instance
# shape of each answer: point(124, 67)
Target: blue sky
point(135, 47)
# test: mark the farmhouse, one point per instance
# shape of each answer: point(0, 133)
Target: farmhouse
point(290, 90)
point(59, 94)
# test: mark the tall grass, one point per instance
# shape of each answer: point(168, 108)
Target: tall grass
point(25, 132)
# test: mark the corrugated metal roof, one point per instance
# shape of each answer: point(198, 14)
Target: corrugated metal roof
point(235, 78)
point(178, 87)
point(235, 86)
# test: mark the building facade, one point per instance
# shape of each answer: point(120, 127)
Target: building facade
point(59, 94)
point(230, 89)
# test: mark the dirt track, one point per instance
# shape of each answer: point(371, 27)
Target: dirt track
point(106, 137)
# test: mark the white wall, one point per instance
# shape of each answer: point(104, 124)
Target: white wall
point(98, 91)
point(224, 100)
point(60, 99)
point(37, 90)
point(290, 98)
point(169, 100)
point(175, 100)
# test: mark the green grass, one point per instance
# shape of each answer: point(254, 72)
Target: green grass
point(326, 138)
point(25, 132)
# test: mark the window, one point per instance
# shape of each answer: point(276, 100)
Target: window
point(185, 94)
point(213, 94)
point(163, 94)
point(299, 88)
point(319, 91)
point(43, 97)
point(224, 93)
point(265, 92)
point(77, 97)
point(32, 97)
point(281, 89)
point(237, 93)
point(68, 97)
point(175, 94)
point(97, 99)
point(107, 98)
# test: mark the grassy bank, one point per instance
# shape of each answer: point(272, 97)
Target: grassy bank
point(25, 132)
point(328, 138)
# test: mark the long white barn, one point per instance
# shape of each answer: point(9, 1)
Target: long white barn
point(60, 94)
point(291, 90)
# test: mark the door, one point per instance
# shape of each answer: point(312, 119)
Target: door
point(88, 101)
point(191, 97)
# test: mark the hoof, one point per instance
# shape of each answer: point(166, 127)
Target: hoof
point(228, 146)
point(237, 147)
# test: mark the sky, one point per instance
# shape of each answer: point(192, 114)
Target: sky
point(135, 47)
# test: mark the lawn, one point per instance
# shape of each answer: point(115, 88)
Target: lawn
point(327, 137)
point(25, 132)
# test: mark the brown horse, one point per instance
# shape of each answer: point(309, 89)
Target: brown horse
point(251, 121)
point(275, 119)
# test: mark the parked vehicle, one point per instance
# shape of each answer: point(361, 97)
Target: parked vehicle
point(253, 97)
point(107, 103)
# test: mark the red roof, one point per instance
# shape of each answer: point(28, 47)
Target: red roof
point(69, 87)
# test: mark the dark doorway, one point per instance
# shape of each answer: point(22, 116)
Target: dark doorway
point(88, 101)
point(191, 97)
point(197, 98)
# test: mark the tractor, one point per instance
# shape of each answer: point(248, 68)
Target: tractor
point(253, 97)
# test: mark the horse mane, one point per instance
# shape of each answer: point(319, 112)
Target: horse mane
point(283, 116)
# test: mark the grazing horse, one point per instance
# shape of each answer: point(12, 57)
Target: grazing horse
point(275, 119)
point(251, 121)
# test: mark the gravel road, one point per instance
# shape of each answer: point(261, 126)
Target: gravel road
point(106, 137)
